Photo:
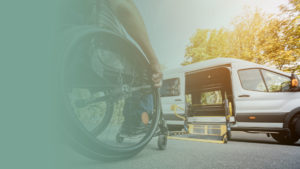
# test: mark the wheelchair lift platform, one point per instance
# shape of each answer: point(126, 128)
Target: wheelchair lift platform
point(202, 128)
point(212, 133)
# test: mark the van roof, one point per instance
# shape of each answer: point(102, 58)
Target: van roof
point(218, 62)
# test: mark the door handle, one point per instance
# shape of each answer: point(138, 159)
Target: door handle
point(178, 100)
point(244, 95)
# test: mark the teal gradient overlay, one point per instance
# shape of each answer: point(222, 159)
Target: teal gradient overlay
point(34, 135)
point(29, 138)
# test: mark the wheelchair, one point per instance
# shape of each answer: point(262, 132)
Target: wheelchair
point(102, 73)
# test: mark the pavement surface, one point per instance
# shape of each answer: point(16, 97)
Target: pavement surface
point(244, 151)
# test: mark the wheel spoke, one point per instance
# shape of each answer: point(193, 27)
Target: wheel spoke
point(113, 95)
point(97, 87)
point(144, 89)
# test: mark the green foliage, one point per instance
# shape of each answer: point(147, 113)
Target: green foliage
point(256, 37)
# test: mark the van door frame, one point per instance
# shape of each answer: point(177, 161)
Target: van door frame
point(229, 68)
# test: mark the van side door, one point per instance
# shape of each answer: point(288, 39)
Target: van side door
point(261, 100)
point(172, 92)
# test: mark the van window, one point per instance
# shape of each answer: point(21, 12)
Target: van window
point(276, 82)
point(170, 87)
point(211, 97)
point(251, 80)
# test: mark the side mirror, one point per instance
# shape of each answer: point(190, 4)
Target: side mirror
point(295, 82)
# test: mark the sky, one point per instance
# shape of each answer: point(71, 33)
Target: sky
point(171, 23)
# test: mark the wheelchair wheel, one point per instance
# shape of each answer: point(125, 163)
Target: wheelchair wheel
point(104, 76)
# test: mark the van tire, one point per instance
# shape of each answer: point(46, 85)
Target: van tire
point(285, 138)
point(297, 127)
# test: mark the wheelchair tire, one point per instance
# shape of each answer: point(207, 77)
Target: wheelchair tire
point(82, 140)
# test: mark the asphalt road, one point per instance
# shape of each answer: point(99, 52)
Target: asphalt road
point(244, 151)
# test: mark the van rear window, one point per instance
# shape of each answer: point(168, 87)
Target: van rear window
point(170, 87)
point(211, 98)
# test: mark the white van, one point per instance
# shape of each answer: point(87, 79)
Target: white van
point(261, 99)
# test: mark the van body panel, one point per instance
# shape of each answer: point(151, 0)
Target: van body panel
point(270, 108)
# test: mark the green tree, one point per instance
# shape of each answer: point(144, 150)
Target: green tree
point(256, 37)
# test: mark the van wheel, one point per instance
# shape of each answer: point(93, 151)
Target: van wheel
point(297, 127)
point(284, 138)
